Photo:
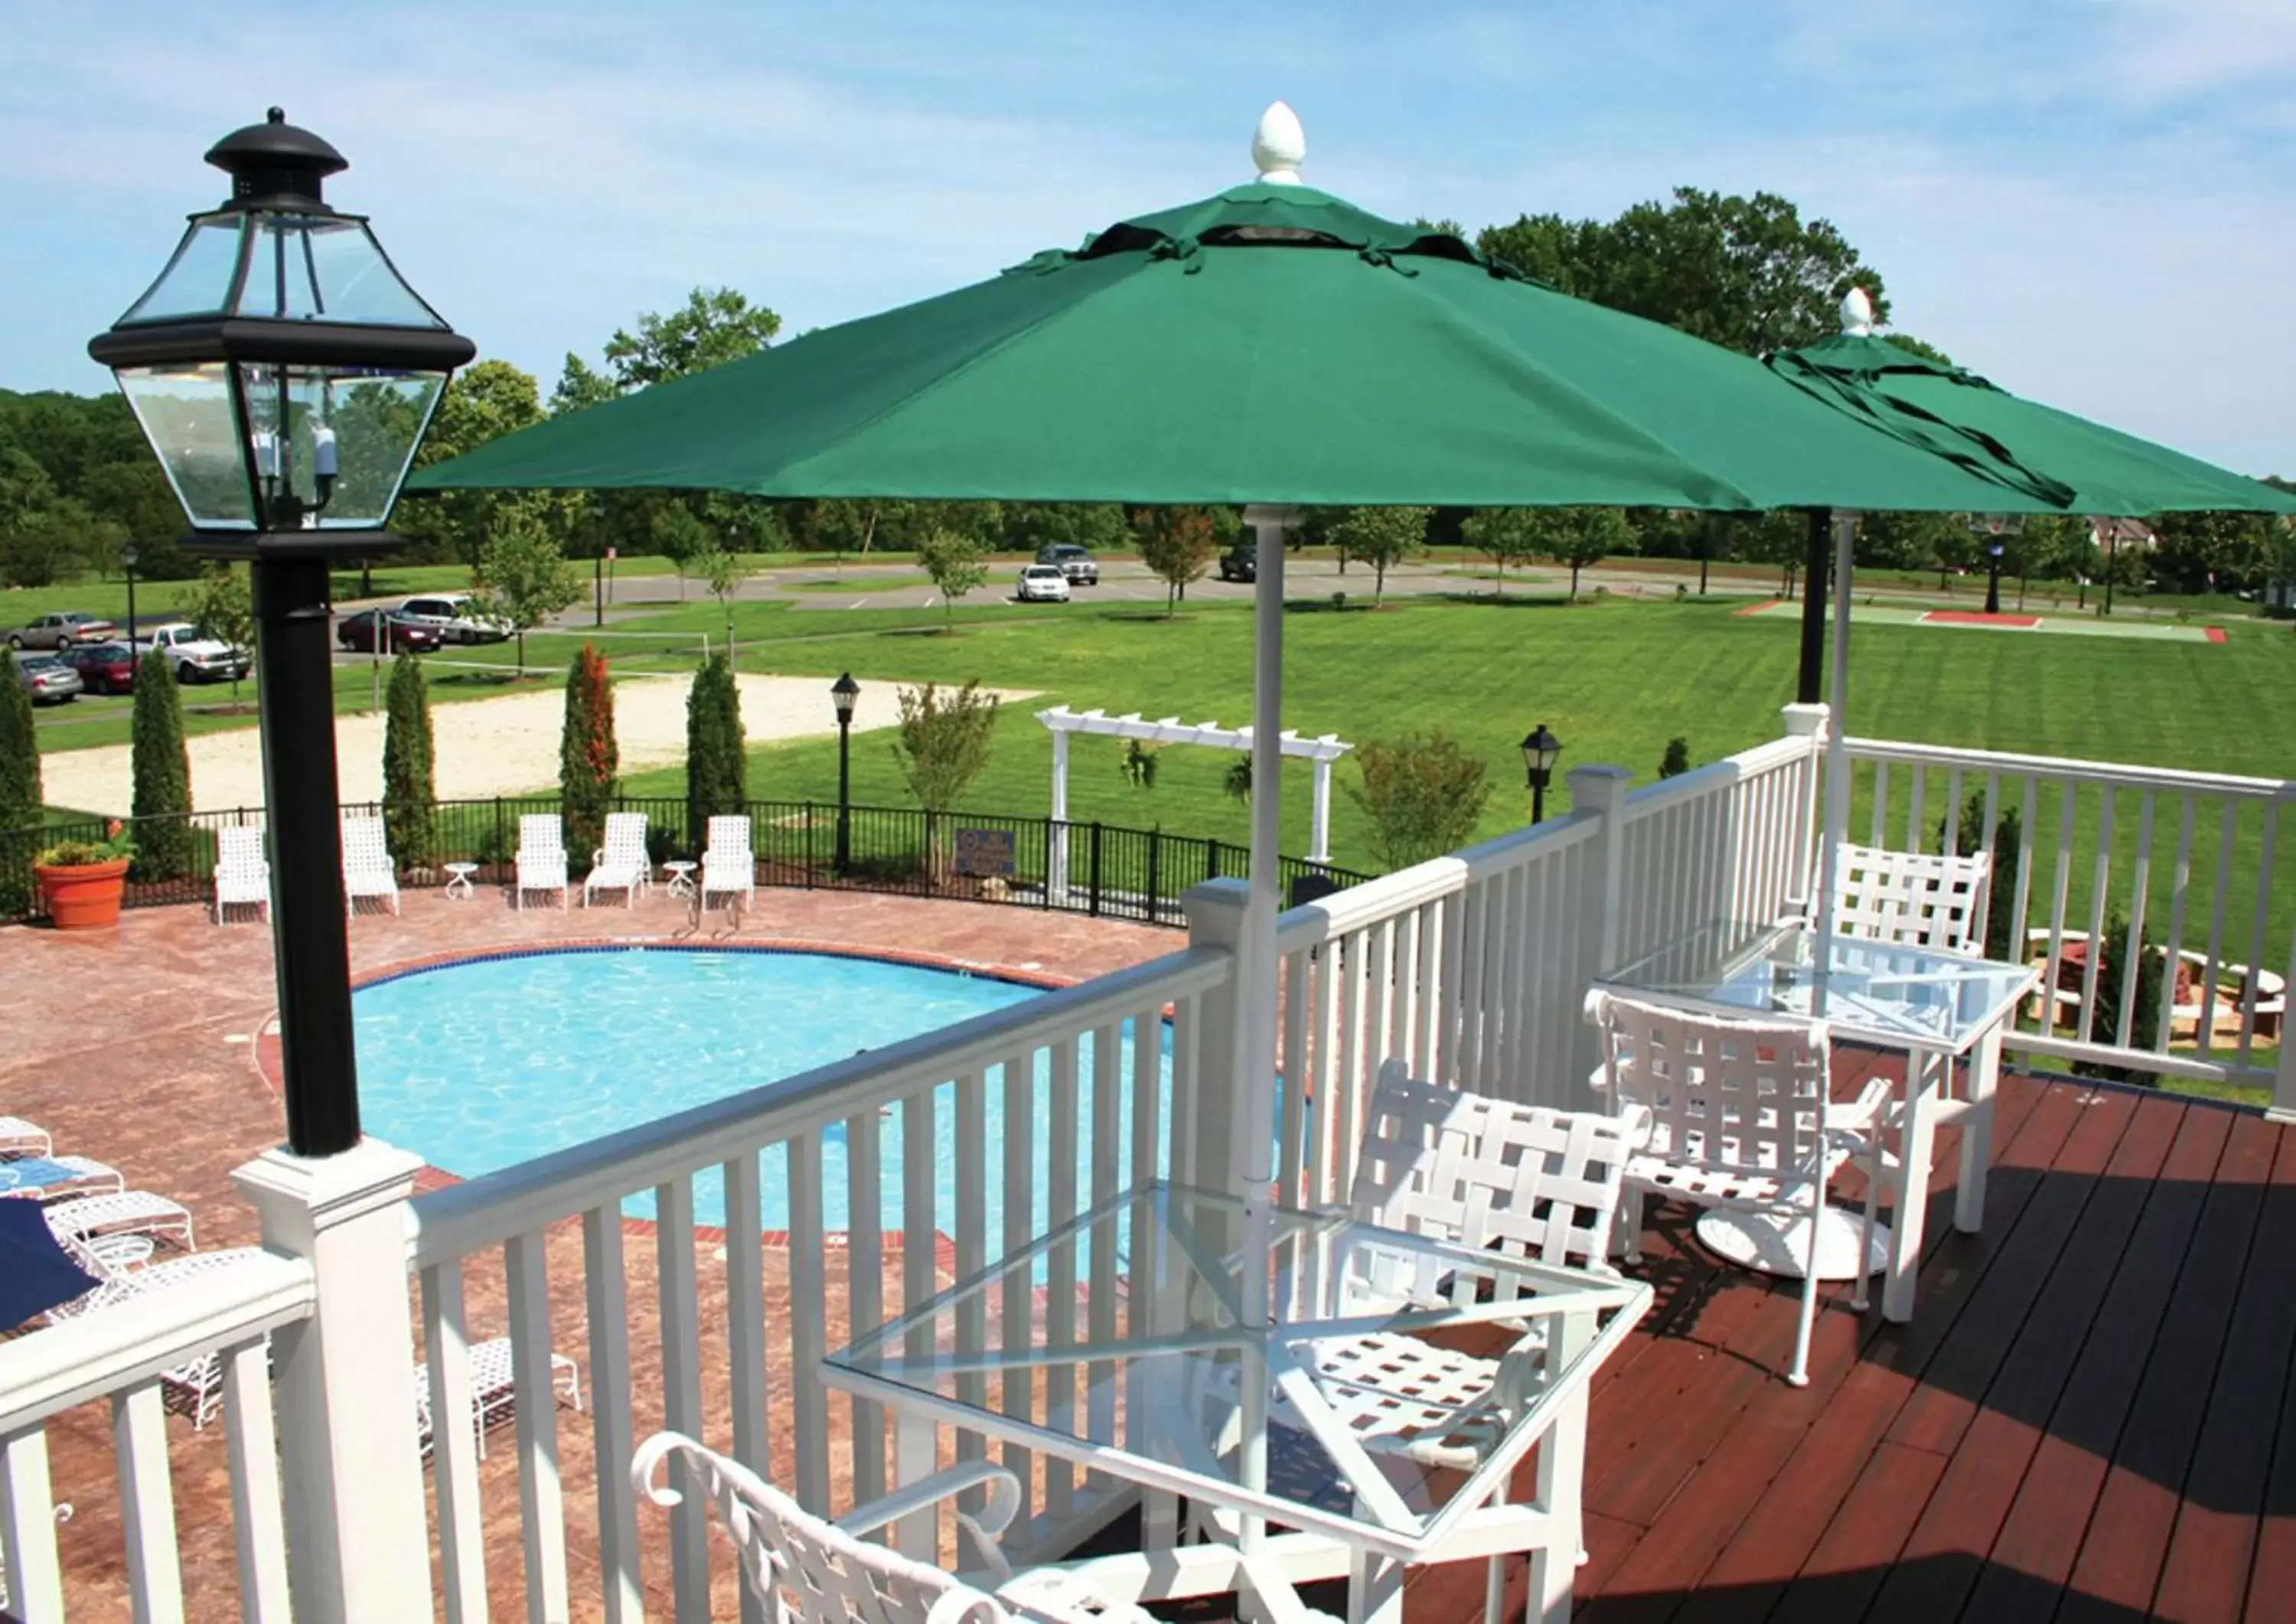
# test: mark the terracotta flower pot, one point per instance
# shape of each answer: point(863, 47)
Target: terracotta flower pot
point(85, 896)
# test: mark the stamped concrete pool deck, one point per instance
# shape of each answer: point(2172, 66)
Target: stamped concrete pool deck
point(136, 1047)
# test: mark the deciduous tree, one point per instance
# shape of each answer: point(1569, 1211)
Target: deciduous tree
point(222, 604)
point(524, 575)
point(410, 791)
point(1381, 537)
point(483, 403)
point(1423, 794)
point(588, 758)
point(942, 741)
point(957, 563)
point(1579, 537)
point(1503, 535)
point(162, 773)
point(1176, 544)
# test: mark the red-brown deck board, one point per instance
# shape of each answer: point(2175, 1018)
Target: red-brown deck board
point(2091, 1417)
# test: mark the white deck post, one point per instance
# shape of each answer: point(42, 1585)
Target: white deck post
point(1215, 911)
point(1056, 860)
point(1599, 791)
point(350, 1458)
point(1319, 842)
point(1807, 723)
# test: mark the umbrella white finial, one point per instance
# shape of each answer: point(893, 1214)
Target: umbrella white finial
point(1279, 145)
point(1857, 313)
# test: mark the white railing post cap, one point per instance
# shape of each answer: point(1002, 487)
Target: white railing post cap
point(1597, 787)
point(1279, 146)
point(298, 1197)
point(1215, 911)
point(1804, 721)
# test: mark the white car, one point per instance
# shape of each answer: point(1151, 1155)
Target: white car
point(1043, 584)
point(195, 657)
point(456, 617)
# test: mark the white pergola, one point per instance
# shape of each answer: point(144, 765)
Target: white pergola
point(1323, 751)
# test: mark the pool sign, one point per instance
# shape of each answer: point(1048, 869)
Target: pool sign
point(983, 852)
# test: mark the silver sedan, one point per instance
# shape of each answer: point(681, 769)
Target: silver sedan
point(47, 680)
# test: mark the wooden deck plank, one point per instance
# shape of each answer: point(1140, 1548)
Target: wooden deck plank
point(1989, 1461)
point(1785, 1521)
point(2041, 1536)
point(1863, 1538)
point(2218, 1524)
point(2121, 1559)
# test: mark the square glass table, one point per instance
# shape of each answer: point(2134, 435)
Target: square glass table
point(1118, 1341)
point(1932, 1006)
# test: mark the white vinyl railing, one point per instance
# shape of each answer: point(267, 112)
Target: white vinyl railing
point(1473, 968)
point(2183, 878)
point(116, 1355)
point(1021, 1118)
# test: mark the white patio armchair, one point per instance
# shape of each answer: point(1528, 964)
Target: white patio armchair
point(1913, 898)
point(1742, 1119)
point(540, 864)
point(728, 866)
point(242, 875)
point(368, 870)
point(812, 1571)
point(129, 1213)
point(621, 864)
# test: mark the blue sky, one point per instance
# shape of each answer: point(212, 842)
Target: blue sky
point(2092, 202)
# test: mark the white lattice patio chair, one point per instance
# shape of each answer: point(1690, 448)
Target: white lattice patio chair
point(621, 864)
point(728, 866)
point(541, 861)
point(243, 876)
point(494, 1387)
point(193, 1389)
point(811, 1571)
point(21, 1136)
point(1483, 1174)
point(1742, 1118)
point(368, 870)
point(87, 1177)
point(1912, 899)
point(129, 1213)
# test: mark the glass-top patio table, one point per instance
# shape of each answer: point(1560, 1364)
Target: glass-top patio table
point(1380, 1414)
point(1934, 1007)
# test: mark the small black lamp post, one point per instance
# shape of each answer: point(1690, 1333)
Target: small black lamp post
point(844, 693)
point(1540, 750)
point(1993, 579)
point(128, 559)
point(284, 373)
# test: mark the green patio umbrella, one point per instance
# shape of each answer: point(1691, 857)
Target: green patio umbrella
point(1954, 412)
point(1272, 345)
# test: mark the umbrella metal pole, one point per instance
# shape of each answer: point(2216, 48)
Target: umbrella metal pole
point(1837, 755)
point(1256, 970)
point(1813, 610)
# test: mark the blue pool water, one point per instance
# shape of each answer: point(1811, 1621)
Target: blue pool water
point(479, 1065)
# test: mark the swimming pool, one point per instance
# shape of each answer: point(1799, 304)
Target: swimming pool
point(483, 1063)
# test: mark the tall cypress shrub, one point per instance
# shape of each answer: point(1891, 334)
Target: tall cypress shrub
point(715, 770)
point(20, 791)
point(409, 785)
point(588, 757)
point(163, 775)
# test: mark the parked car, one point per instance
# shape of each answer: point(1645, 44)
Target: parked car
point(358, 632)
point(1240, 563)
point(48, 679)
point(194, 656)
point(1072, 562)
point(1043, 584)
point(103, 668)
point(456, 617)
point(61, 631)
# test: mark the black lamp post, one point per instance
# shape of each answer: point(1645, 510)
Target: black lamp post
point(1993, 579)
point(128, 556)
point(844, 693)
point(1540, 748)
point(284, 373)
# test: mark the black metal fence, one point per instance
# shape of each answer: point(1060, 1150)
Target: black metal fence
point(1103, 870)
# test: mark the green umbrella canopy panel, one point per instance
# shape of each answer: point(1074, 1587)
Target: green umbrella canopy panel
point(1956, 413)
point(1271, 344)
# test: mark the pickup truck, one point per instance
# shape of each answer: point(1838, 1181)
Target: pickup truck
point(61, 631)
point(194, 656)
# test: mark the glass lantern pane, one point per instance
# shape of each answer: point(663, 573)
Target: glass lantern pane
point(307, 268)
point(331, 445)
point(185, 413)
point(197, 281)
